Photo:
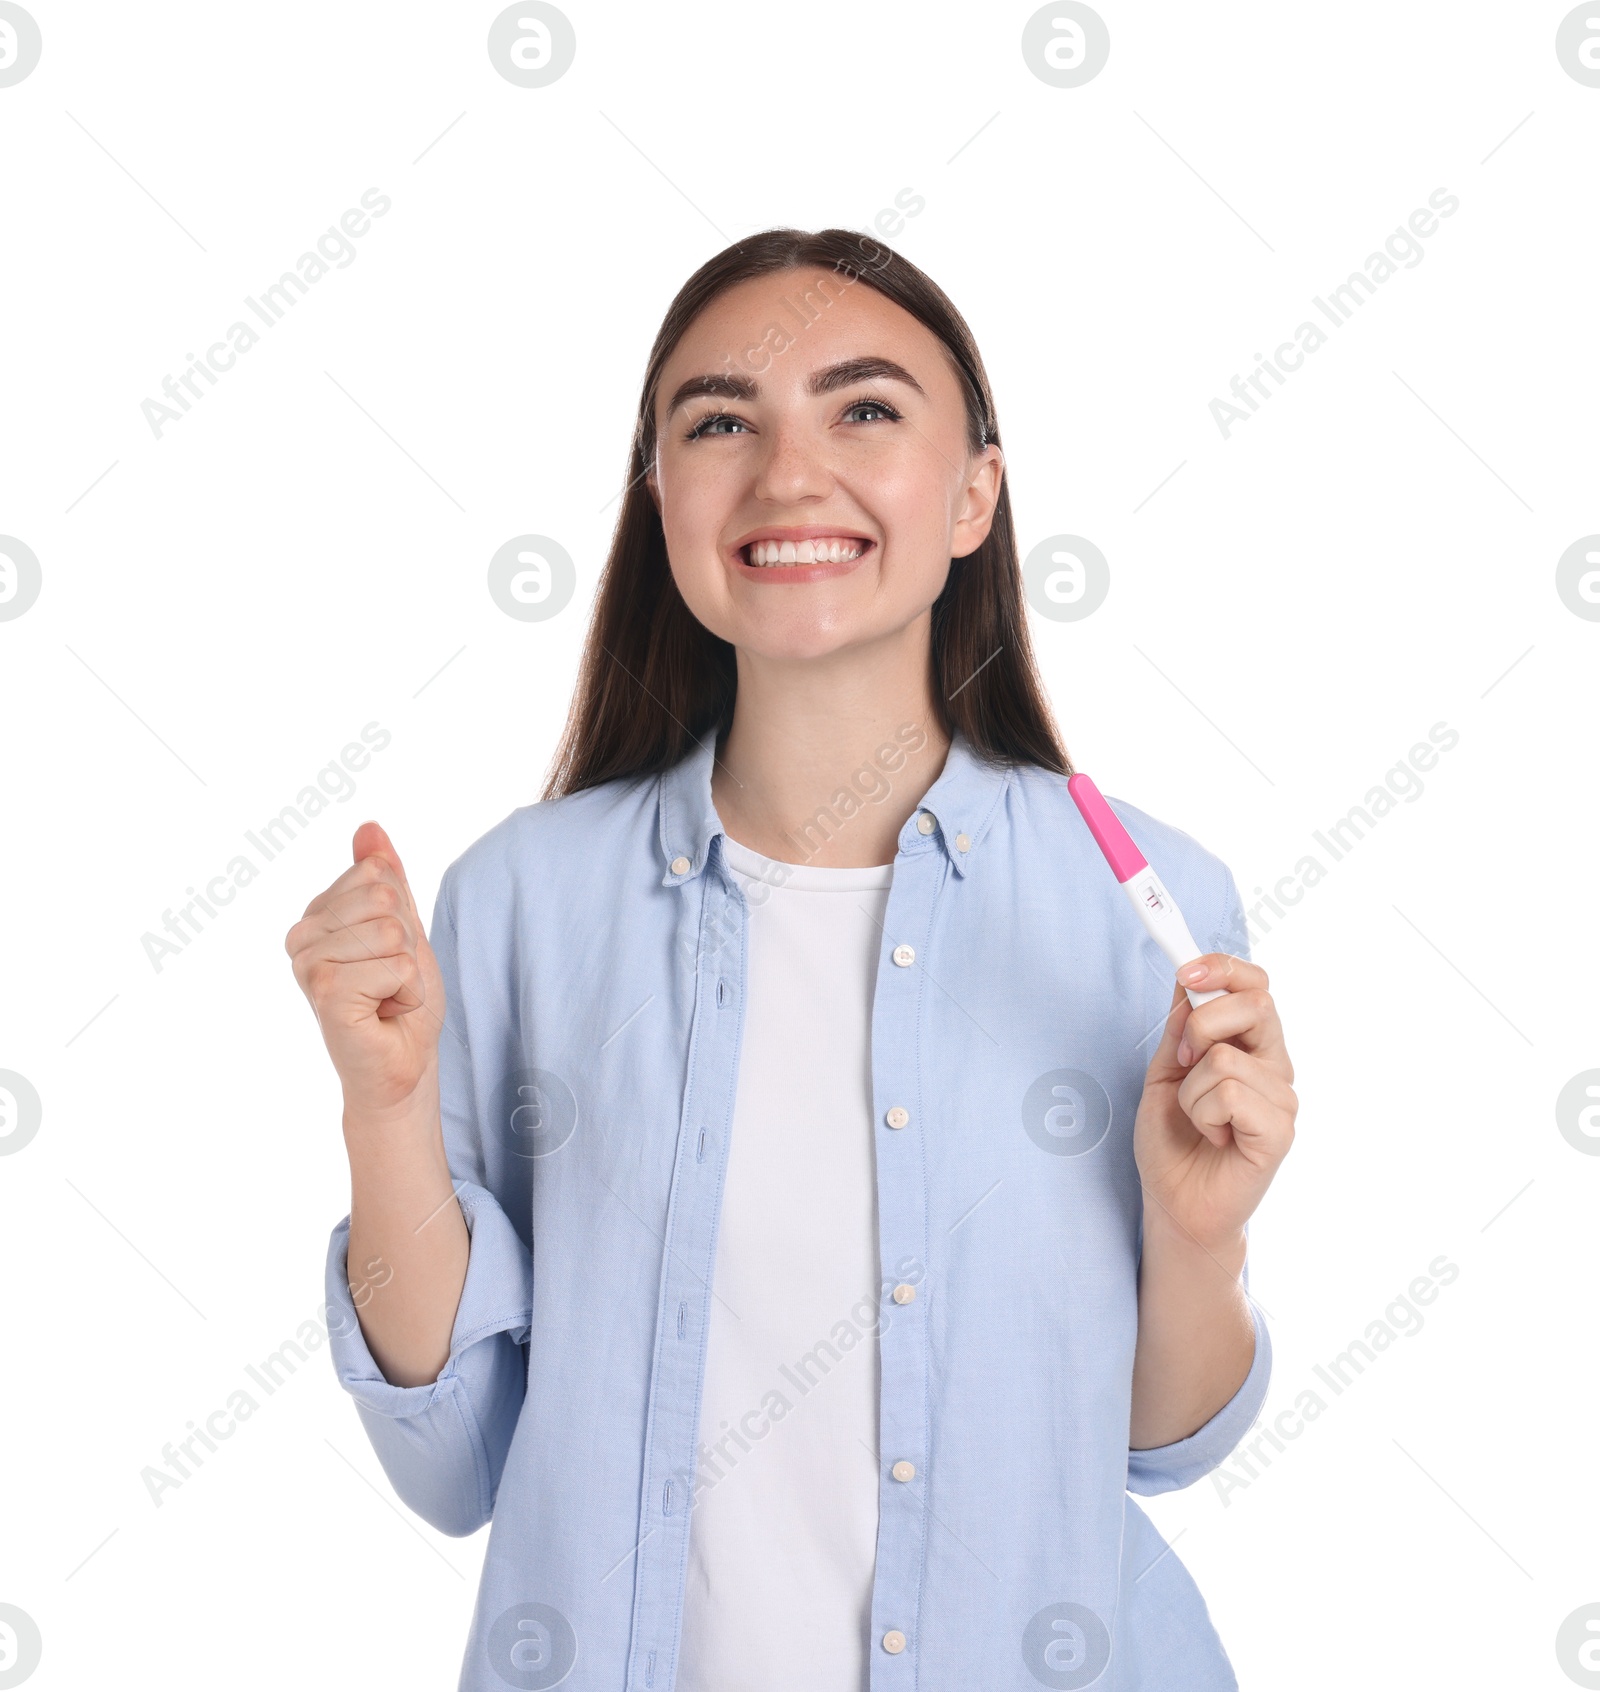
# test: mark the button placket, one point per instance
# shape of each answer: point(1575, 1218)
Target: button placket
point(903, 1243)
point(684, 1308)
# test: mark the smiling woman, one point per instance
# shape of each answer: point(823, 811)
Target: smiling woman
point(824, 381)
point(798, 1252)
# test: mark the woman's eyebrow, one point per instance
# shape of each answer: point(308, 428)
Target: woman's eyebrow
point(846, 373)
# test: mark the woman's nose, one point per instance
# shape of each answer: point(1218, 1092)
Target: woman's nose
point(794, 466)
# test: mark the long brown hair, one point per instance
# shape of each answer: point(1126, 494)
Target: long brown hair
point(653, 678)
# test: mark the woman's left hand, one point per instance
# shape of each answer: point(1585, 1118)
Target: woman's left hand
point(1217, 1114)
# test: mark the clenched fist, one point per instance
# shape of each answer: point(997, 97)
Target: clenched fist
point(361, 956)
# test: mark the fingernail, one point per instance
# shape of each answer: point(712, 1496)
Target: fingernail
point(1185, 1051)
point(1190, 973)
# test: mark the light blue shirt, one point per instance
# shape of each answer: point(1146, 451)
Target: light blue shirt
point(594, 961)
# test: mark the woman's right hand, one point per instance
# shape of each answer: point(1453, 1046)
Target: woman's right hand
point(361, 956)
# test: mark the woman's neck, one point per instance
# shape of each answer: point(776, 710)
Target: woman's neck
point(827, 758)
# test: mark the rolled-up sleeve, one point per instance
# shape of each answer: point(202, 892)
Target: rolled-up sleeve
point(1167, 1468)
point(443, 1444)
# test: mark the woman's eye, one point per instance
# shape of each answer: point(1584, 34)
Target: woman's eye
point(874, 405)
point(706, 425)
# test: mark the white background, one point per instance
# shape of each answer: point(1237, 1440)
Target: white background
point(223, 608)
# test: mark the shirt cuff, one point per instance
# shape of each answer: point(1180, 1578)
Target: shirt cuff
point(497, 1296)
point(1167, 1468)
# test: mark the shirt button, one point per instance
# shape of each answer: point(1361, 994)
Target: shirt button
point(680, 866)
point(926, 822)
point(897, 1116)
point(903, 1471)
point(904, 1293)
point(894, 1640)
point(962, 843)
point(904, 955)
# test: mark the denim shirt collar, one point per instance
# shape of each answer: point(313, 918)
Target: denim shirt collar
point(962, 802)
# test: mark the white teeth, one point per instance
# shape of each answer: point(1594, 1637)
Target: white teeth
point(836, 550)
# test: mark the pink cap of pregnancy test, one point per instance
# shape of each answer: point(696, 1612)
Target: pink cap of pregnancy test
point(1125, 859)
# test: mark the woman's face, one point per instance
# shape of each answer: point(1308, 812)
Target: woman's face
point(803, 415)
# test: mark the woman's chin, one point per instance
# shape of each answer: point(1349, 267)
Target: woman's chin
point(795, 639)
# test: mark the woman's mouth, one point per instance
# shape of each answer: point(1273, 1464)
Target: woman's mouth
point(821, 549)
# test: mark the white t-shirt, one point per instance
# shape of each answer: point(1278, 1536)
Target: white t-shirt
point(783, 1536)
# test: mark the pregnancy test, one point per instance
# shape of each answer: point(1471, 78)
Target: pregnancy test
point(1157, 908)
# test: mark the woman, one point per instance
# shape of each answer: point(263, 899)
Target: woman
point(790, 1196)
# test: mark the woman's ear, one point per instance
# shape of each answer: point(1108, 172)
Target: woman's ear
point(978, 504)
point(652, 483)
